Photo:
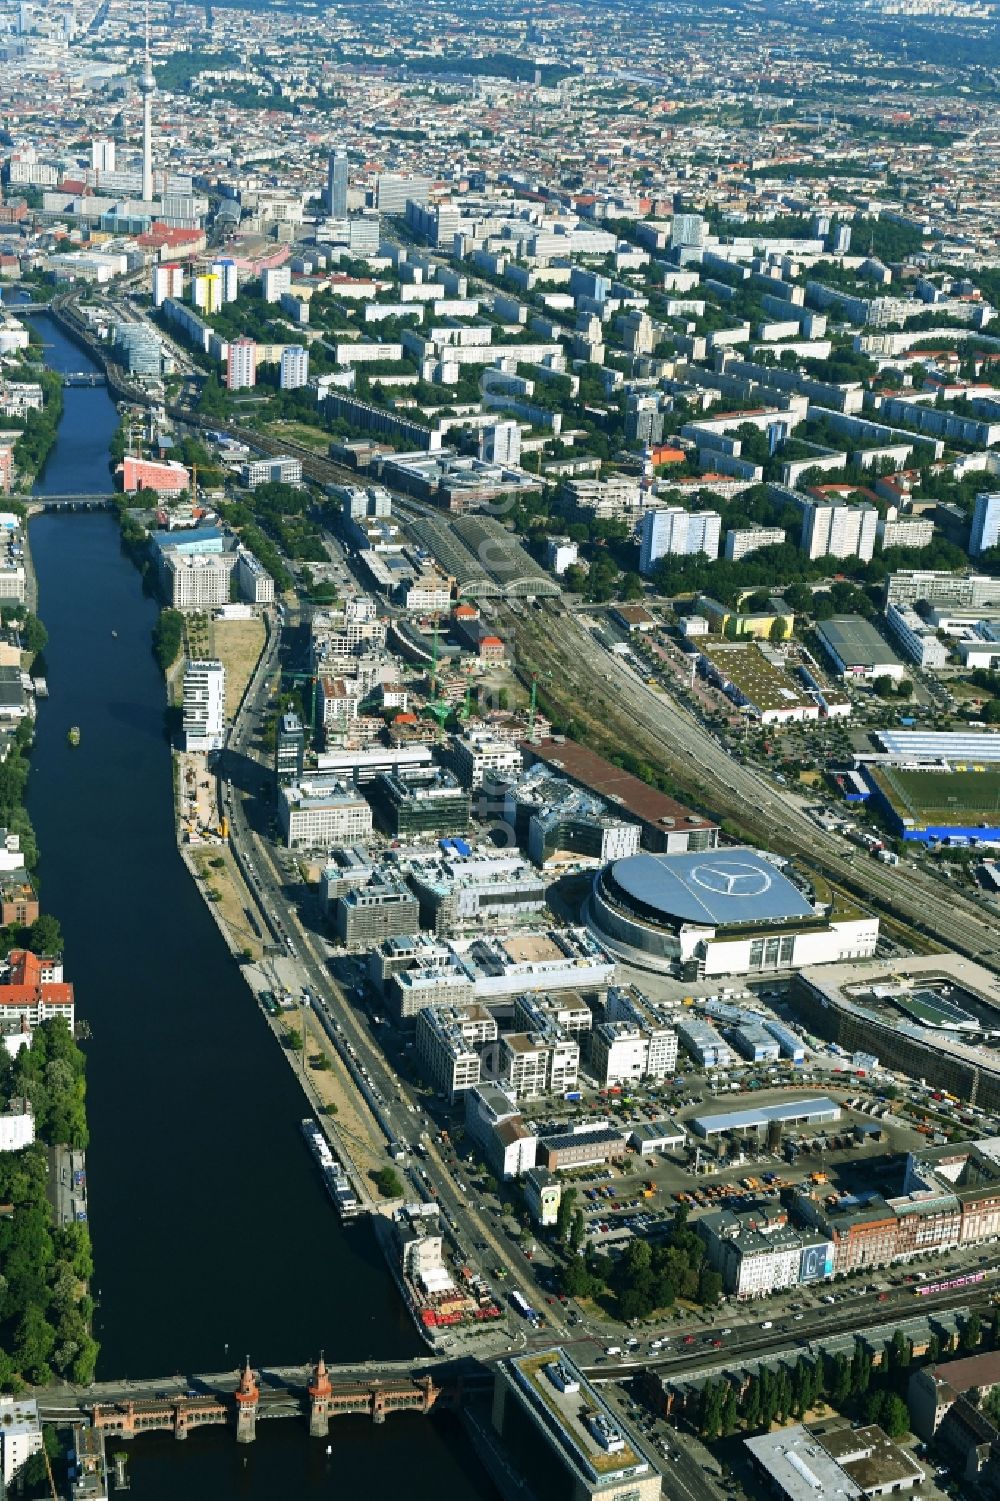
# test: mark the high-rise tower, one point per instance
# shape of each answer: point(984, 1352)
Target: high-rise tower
point(147, 86)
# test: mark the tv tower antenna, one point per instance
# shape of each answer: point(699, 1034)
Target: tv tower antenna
point(147, 86)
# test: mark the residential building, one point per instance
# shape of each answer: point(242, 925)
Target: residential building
point(655, 1023)
point(674, 532)
point(18, 901)
point(196, 581)
point(20, 1436)
point(275, 282)
point(448, 1044)
point(206, 292)
point(535, 1064)
point(741, 542)
point(500, 443)
point(985, 533)
point(229, 278)
point(758, 1253)
point(835, 529)
point(252, 579)
point(294, 371)
point(904, 531)
point(241, 365)
point(204, 722)
point(619, 1054)
point(32, 991)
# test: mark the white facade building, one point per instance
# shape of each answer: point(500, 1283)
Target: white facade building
point(168, 281)
point(745, 540)
point(294, 367)
point(321, 813)
point(678, 533)
point(204, 705)
point(241, 365)
point(985, 532)
point(500, 443)
point(275, 281)
point(917, 640)
point(20, 1434)
point(835, 530)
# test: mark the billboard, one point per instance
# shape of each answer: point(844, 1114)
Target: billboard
point(816, 1261)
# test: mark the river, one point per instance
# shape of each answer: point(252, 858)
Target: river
point(212, 1234)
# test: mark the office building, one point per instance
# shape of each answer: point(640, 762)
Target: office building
point(619, 1054)
point(368, 915)
point(281, 469)
point(448, 1045)
point(321, 812)
point(289, 750)
point(918, 640)
point(254, 582)
point(493, 1122)
point(204, 720)
point(836, 530)
point(420, 800)
point(241, 365)
point(392, 192)
point(462, 893)
point(294, 367)
point(674, 532)
point(166, 477)
point(557, 1424)
point(479, 756)
point(655, 1023)
point(336, 185)
point(500, 443)
point(543, 1195)
point(957, 591)
point(985, 533)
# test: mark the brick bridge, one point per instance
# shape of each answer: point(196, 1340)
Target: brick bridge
point(319, 1391)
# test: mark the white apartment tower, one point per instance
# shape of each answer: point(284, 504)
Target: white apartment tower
point(294, 367)
point(241, 365)
point(831, 529)
point(204, 705)
point(678, 533)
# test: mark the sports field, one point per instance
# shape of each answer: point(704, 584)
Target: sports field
point(944, 797)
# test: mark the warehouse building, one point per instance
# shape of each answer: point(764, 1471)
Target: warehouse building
point(812, 1112)
point(857, 650)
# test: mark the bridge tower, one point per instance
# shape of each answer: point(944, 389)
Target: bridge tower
point(247, 1397)
point(320, 1400)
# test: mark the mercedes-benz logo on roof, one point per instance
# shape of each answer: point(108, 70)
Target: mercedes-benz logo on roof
point(736, 879)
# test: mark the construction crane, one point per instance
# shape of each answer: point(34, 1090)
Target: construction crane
point(436, 708)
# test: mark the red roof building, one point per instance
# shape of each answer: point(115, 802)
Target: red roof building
point(31, 992)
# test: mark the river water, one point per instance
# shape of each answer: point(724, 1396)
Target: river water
point(212, 1234)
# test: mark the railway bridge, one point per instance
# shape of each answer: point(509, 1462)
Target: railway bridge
point(181, 1405)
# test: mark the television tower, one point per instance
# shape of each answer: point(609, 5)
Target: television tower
point(147, 85)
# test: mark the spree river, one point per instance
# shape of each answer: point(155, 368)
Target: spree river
point(212, 1234)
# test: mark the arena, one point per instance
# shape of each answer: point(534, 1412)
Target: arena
point(720, 912)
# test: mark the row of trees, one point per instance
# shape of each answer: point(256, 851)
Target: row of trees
point(45, 1309)
point(844, 1380)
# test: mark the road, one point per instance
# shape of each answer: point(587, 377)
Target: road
point(555, 641)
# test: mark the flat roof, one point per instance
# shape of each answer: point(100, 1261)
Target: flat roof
point(764, 686)
point(619, 787)
point(800, 1467)
point(719, 887)
point(940, 745)
point(564, 1416)
point(819, 1108)
point(856, 642)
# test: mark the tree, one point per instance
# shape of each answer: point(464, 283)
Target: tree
point(779, 628)
point(564, 1214)
point(45, 935)
point(971, 1333)
point(889, 1411)
point(577, 1232)
point(34, 636)
point(388, 1183)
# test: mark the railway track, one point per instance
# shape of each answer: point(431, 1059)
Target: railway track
point(561, 651)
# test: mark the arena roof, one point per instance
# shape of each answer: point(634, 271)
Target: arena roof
point(718, 888)
point(940, 745)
